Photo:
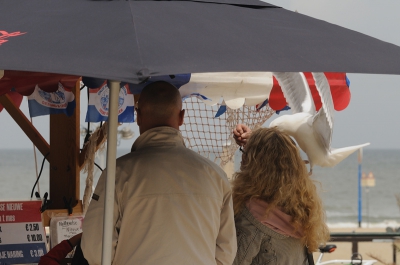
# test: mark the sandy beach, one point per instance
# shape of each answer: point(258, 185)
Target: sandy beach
point(380, 250)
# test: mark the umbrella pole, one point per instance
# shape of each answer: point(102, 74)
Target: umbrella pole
point(110, 181)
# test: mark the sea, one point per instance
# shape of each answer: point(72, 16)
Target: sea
point(338, 185)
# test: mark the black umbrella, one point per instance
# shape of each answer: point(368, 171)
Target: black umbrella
point(129, 41)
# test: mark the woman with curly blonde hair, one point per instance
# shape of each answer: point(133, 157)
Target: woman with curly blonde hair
point(278, 214)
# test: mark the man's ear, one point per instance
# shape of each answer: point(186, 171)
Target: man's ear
point(181, 117)
point(138, 117)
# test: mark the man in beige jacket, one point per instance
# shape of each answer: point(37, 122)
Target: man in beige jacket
point(172, 206)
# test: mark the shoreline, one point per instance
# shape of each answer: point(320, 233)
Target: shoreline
point(352, 225)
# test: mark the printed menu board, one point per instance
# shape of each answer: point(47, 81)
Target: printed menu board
point(22, 235)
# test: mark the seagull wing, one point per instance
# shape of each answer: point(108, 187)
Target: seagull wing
point(323, 120)
point(337, 155)
point(296, 91)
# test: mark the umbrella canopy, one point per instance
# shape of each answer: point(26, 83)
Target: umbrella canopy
point(132, 40)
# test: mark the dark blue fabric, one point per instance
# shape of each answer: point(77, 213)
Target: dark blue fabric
point(220, 111)
point(177, 80)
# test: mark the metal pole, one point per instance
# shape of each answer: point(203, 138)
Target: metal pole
point(110, 181)
point(359, 187)
point(367, 193)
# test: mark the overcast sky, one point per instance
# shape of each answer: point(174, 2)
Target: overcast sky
point(372, 115)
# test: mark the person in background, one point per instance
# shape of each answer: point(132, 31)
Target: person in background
point(278, 214)
point(171, 206)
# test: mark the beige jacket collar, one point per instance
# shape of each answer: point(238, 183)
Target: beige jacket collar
point(158, 136)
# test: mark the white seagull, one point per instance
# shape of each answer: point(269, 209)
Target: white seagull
point(312, 130)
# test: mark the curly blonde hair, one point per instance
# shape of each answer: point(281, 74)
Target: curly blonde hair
point(272, 170)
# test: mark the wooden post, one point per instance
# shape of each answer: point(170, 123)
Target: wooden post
point(64, 150)
point(25, 125)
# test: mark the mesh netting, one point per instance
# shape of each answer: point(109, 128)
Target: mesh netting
point(212, 137)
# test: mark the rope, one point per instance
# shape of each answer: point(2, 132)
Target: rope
point(90, 163)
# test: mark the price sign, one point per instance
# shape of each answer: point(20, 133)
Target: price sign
point(22, 236)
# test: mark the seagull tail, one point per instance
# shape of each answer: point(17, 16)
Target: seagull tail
point(337, 155)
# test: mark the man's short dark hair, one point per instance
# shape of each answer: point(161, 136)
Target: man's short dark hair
point(160, 99)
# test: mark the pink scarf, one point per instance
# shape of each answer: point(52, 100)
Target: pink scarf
point(276, 219)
